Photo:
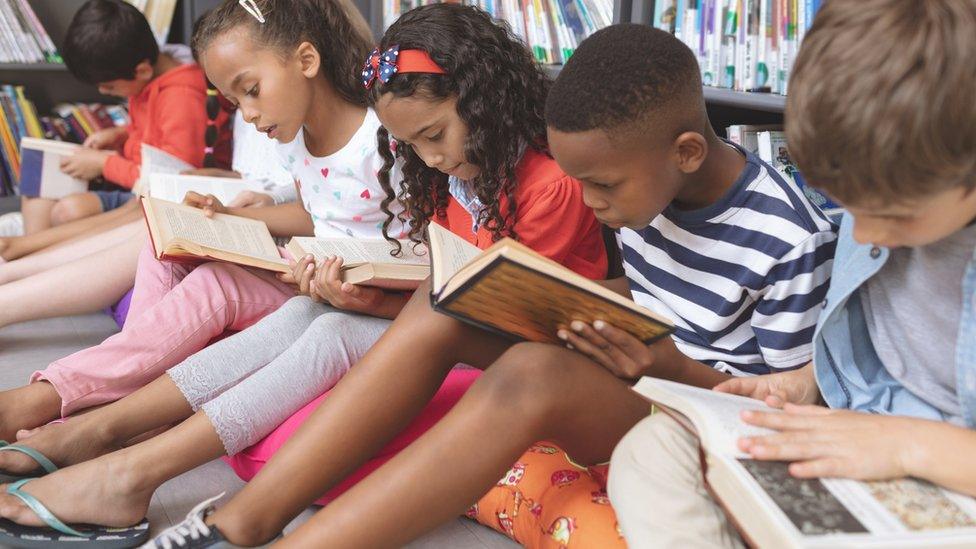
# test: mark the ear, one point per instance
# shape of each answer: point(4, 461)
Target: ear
point(144, 71)
point(690, 149)
point(309, 59)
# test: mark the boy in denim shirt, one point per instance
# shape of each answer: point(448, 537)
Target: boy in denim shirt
point(881, 117)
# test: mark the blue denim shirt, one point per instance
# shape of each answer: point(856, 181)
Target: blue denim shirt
point(848, 370)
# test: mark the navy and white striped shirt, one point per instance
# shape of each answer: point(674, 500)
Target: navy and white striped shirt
point(742, 279)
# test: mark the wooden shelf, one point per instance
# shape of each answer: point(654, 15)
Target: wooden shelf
point(55, 67)
point(768, 102)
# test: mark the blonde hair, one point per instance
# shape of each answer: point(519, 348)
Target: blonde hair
point(882, 101)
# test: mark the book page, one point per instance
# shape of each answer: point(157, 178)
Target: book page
point(715, 415)
point(156, 160)
point(356, 252)
point(223, 232)
point(448, 254)
point(174, 187)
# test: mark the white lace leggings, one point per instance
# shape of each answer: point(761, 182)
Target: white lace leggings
point(251, 382)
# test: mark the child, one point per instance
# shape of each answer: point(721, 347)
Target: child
point(109, 43)
point(545, 211)
point(896, 337)
point(634, 130)
point(315, 105)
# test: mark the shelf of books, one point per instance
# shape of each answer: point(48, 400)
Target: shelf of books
point(551, 28)
point(70, 122)
point(745, 47)
point(23, 39)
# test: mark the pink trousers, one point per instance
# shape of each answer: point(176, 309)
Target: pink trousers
point(177, 309)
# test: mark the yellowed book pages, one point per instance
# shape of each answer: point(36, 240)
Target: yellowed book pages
point(184, 233)
point(511, 289)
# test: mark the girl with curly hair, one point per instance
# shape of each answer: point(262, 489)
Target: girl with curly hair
point(465, 101)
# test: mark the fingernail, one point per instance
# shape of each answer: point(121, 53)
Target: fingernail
point(599, 324)
point(309, 257)
point(309, 267)
point(576, 325)
point(561, 334)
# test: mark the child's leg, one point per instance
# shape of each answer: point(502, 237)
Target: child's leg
point(37, 214)
point(533, 392)
point(657, 489)
point(247, 412)
point(55, 237)
point(164, 331)
point(74, 207)
point(198, 379)
point(372, 403)
point(84, 285)
point(131, 234)
point(115, 489)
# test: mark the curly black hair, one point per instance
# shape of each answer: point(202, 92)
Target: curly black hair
point(622, 75)
point(501, 93)
point(332, 26)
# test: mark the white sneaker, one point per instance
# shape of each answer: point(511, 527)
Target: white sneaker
point(12, 224)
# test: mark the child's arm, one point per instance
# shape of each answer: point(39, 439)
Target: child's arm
point(282, 220)
point(842, 443)
point(327, 285)
point(797, 387)
point(628, 357)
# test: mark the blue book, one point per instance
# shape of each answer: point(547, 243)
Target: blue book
point(40, 169)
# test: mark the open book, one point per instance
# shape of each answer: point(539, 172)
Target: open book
point(368, 262)
point(40, 169)
point(516, 292)
point(771, 508)
point(184, 233)
point(173, 187)
point(155, 160)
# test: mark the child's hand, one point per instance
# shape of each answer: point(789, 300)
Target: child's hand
point(328, 286)
point(210, 204)
point(835, 443)
point(302, 272)
point(106, 139)
point(85, 164)
point(620, 352)
point(251, 199)
point(796, 386)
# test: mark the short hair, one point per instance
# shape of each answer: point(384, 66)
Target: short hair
point(106, 40)
point(882, 100)
point(626, 76)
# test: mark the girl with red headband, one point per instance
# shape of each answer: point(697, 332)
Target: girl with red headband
point(481, 177)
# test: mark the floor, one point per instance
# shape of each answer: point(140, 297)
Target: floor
point(32, 345)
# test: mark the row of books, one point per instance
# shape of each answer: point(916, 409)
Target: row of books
point(68, 122)
point(746, 45)
point(22, 36)
point(159, 13)
point(551, 28)
point(768, 142)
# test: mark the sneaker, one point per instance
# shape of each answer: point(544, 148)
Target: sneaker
point(193, 532)
point(12, 224)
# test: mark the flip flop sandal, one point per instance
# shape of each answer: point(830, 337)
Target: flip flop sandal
point(59, 534)
point(45, 465)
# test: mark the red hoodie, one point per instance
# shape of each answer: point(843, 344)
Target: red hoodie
point(170, 114)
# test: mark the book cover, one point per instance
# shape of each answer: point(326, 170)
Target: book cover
point(40, 171)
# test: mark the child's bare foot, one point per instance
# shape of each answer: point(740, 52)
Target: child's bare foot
point(107, 491)
point(27, 407)
point(65, 444)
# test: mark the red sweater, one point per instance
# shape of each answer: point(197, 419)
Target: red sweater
point(550, 218)
point(170, 114)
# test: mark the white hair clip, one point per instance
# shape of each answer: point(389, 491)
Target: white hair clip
point(252, 7)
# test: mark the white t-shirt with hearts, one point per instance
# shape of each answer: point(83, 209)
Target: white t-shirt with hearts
point(341, 191)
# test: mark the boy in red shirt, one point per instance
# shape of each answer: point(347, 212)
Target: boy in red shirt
point(109, 44)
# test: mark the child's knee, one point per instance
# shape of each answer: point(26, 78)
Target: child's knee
point(650, 445)
point(526, 379)
point(76, 206)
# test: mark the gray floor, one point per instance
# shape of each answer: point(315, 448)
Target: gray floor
point(32, 345)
